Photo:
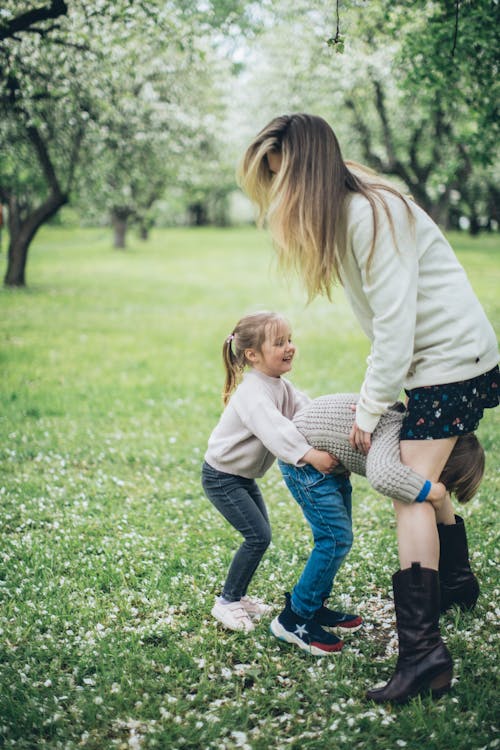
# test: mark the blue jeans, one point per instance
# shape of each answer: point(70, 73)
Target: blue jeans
point(241, 503)
point(326, 503)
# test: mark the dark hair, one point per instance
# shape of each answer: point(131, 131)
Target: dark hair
point(464, 469)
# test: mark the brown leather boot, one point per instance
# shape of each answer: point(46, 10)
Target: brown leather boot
point(424, 662)
point(459, 585)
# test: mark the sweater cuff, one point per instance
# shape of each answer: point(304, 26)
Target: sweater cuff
point(365, 420)
point(298, 455)
point(422, 495)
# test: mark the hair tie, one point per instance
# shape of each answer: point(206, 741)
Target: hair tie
point(230, 338)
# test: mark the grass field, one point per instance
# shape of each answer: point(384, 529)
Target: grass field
point(111, 556)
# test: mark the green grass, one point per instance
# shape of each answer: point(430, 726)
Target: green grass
point(111, 556)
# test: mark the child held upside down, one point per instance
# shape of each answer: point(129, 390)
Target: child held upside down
point(326, 423)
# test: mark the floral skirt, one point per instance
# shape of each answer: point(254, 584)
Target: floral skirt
point(441, 411)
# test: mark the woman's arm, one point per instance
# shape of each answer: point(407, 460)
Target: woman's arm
point(389, 288)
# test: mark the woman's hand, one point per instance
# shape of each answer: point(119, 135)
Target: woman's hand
point(321, 460)
point(360, 440)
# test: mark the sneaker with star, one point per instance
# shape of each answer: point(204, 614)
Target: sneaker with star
point(340, 621)
point(308, 635)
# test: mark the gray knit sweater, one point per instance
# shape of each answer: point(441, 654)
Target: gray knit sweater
point(326, 423)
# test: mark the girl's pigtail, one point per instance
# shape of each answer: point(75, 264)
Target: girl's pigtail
point(231, 367)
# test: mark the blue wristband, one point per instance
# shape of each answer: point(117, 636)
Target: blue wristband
point(422, 495)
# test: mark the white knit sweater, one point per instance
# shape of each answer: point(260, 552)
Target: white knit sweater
point(256, 427)
point(326, 423)
point(415, 304)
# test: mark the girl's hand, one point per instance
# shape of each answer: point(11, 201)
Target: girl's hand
point(360, 440)
point(321, 460)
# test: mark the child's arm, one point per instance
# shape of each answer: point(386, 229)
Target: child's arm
point(277, 433)
point(388, 475)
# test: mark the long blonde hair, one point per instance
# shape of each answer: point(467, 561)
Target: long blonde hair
point(249, 333)
point(304, 203)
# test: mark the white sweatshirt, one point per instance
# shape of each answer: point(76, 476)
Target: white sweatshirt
point(415, 304)
point(256, 427)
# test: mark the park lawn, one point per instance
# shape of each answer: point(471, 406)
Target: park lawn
point(111, 556)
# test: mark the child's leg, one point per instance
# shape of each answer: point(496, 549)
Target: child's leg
point(321, 498)
point(241, 503)
point(345, 488)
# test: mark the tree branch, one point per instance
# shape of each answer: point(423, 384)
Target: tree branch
point(382, 113)
point(45, 161)
point(26, 21)
point(77, 142)
point(366, 139)
point(455, 34)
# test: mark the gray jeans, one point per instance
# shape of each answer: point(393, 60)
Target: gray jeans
point(241, 503)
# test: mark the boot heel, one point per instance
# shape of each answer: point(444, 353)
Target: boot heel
point(441, 684)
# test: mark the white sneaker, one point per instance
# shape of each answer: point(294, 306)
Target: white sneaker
point(233, 616)
point(255, 608)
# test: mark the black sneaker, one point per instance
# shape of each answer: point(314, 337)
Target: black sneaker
point(306, 634)
point(331, 618)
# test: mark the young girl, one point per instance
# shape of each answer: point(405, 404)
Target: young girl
point(335, 221)
point(254, 428)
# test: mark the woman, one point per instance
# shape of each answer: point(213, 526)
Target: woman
point(337, 221)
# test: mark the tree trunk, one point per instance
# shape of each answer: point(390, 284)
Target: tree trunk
point(474, 225)
point(439, 210)
point(198, 214)
point(17, 257)
point(144, 227)
point(119, 219)
point(22, 231)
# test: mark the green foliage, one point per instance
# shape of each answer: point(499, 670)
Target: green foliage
point(119, 95)
point(397, 98)
point(111, 555)
point(452, 62)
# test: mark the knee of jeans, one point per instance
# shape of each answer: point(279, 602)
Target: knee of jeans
point(327, 543)
point(336, 543)
point(264, 539)
point(347, 541)
point(260, 541)
point(267, 539)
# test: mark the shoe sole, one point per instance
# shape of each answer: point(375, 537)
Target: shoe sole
point(343, 629)
point(279, 631)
